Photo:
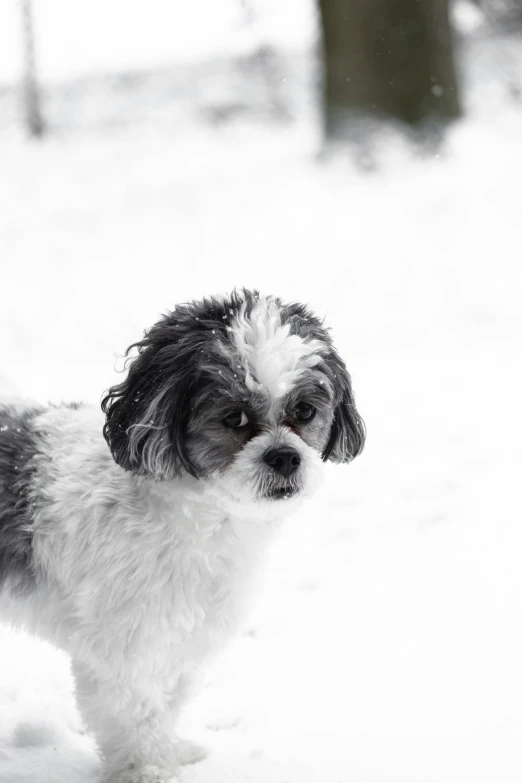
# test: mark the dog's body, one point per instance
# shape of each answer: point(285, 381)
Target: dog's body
point(140, 559)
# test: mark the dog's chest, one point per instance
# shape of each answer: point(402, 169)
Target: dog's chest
point(203, 588)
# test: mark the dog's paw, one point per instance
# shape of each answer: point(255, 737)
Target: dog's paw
point(189, 752)
point(153, 778)
point(144, 775)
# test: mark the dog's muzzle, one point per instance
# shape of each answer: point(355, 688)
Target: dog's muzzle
point(284, 463)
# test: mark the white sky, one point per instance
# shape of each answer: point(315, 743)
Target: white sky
point(95, 36)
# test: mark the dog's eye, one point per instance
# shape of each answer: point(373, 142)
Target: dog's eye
point(236, 419)
point(304, 411)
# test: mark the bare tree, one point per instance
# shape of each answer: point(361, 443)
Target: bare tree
point(32, 104)
point(394, 57)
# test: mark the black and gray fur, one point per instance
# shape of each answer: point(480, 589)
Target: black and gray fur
point(165, 418)
point(19, 448)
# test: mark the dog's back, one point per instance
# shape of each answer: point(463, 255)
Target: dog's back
point(18, 449)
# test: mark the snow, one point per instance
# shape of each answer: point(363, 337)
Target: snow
point(387, 645)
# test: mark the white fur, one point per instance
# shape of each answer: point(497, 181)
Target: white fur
point(143, 582)
point(272, 358)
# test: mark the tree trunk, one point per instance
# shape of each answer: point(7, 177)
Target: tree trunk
point(32, 107)
point(392, 57)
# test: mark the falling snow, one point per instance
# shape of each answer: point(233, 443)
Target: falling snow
point(387, 645)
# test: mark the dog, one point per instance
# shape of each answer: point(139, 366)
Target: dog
point(135, 542)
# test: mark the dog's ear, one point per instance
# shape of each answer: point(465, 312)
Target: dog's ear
point(146, 415)
point(347, 432)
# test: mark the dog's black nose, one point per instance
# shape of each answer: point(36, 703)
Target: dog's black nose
point(284, 461)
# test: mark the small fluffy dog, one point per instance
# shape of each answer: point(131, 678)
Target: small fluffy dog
point(139, 559)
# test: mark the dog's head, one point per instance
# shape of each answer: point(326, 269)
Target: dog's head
point(244, 390)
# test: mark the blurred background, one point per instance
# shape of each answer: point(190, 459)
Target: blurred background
point(364, 156)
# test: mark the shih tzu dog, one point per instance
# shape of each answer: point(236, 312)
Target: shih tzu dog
point(135, 544)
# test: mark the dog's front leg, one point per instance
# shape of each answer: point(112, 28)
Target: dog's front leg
point(132, 726)
point(187, 687)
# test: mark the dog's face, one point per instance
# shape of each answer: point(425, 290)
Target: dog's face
point(245, 390)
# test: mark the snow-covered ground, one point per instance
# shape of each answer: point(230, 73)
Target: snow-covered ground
point(388, 644)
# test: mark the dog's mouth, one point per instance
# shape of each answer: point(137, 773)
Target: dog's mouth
point(281, 493)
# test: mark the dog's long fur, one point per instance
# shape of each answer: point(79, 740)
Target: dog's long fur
point(138, 553)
